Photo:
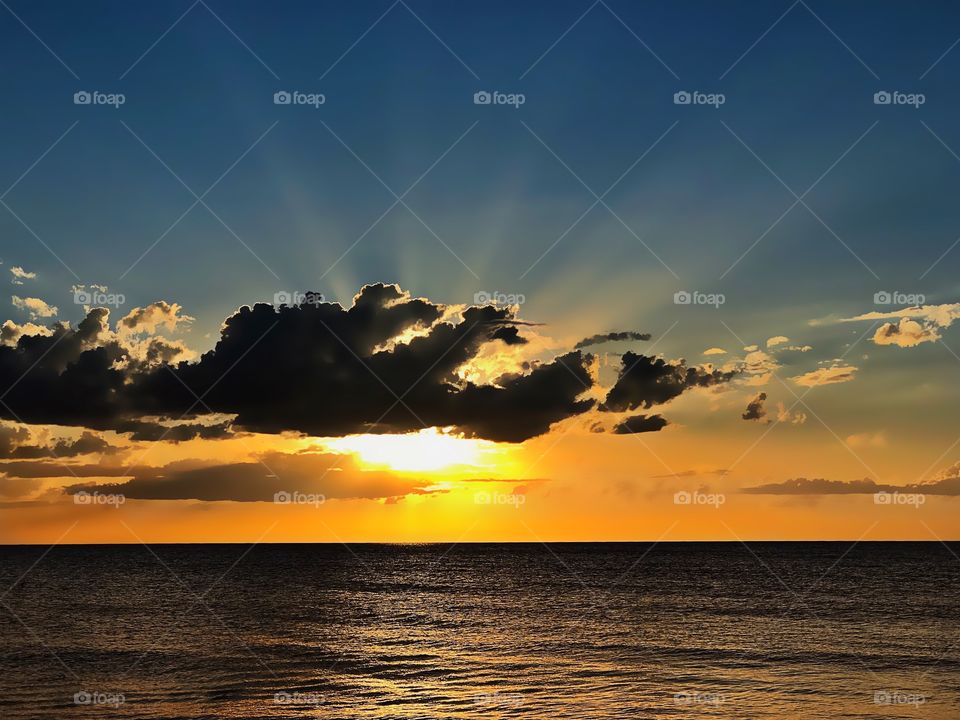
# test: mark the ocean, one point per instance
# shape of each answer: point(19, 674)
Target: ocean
point(565, 630)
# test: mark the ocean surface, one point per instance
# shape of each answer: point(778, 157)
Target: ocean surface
point(769, 630)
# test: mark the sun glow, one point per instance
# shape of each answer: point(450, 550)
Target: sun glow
point(429, 450)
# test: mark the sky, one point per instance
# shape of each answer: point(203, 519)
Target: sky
point(585, 310)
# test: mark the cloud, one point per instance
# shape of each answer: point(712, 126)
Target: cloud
point(755, 409)
point(640, 424)
point(785, 416)
point(910, 326)
point(714, 351)
point(19, 275)
point(16, 443)
point(610, 337)
point(777, 340)
point(36, 307)
point(332, 475)
point(11, 332)
point(315, 368)
point(153, 317)
point(826, 376)
point(644, 381)
point(948, 484)
point(906, 333)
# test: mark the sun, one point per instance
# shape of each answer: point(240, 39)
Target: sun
point(429, 450)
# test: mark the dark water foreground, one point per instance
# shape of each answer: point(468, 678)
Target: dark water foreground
point(776, 630)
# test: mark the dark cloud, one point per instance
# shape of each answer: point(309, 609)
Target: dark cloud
point(640, 424)
point(645, 381)
point(610, 337)
point(331, 475)
point(755, 409)
point(15, 443)
point(390, 363)
point(946, 485)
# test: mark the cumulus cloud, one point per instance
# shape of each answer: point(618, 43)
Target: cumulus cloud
point(826, 376)
point(906, 333)
point(777, 340)
point(312, 368)
point(19, 275)
point(714, 351)
point(755, 409)
point(153, 317)
point(644, 381)
point(911, 326)
point(36, 307)
point(611, 337)
point(11, 332)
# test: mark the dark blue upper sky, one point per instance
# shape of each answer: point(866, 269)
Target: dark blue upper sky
point(399, 94)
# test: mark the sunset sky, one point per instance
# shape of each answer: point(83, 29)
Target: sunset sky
point(502, 347)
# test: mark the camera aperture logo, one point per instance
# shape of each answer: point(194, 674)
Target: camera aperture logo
point(897, 697)
point(109, 699)
point(695, 297)
point(496, 498)
point(899, 298)
point(498, 298)
point(95, 97)
point(83, 497)
point(293, 298)
point(295, 497)
point(896, 97)
point(695, 97)
point(295, 97)
point(297, 698)
point(896, 498)
point(698, 497)
point(495, 97)
point(97, 296)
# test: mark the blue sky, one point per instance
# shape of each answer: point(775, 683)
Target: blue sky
point(599, 81)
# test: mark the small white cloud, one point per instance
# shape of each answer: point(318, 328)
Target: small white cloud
point(35, 306)
point(826, 376)
point(19, 275)
point(751, 348)
point(777, 340)
point(714, 351)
